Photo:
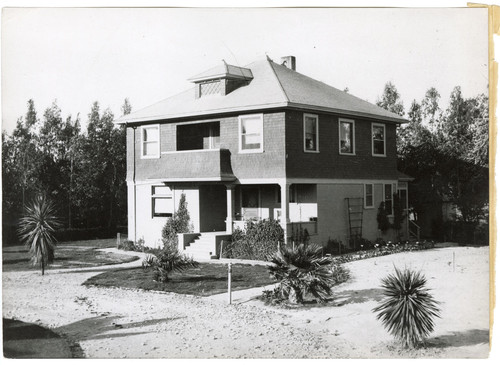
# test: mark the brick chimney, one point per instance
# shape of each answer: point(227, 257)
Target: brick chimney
point(288, 61)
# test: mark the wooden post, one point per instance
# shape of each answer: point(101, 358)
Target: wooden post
point(221, 246)
point(118, 240)
point(229, 282)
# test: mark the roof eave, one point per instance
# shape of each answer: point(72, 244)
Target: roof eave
point(348, 112)
point(220, 76)
point(123, 120)
point(258, 107)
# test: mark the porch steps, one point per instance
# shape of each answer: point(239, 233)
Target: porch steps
point(202, 247)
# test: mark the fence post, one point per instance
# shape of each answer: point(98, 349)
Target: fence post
point(229, 282)
point(118, 240)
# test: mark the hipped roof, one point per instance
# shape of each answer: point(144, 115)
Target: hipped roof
point(273, 86)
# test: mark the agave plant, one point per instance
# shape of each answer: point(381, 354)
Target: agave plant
point(36, 230)
point(166, 260)
point(408, 310)
point(302, 270)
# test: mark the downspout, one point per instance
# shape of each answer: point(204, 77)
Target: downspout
point(135, 191)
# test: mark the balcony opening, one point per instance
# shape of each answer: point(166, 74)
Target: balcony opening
point(200, 136)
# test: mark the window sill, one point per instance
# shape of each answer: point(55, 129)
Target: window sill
point(245, 152)
point(149, 157)
point(311, 151)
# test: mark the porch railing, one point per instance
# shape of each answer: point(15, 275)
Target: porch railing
point(310, 226)
point(414, 230)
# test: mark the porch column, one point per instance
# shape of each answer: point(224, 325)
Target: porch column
point(230, 208)
point(285, 215)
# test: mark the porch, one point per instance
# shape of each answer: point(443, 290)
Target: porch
point(293, 205)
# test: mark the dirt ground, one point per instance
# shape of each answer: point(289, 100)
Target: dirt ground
point(120, 323)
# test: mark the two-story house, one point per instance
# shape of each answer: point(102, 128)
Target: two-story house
point(257, 142)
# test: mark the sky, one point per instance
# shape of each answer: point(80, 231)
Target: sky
point(76, 56)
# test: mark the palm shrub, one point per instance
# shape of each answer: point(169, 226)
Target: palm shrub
point(301, 271)
point(36, 230)
point(408, 310)
point(166, 260)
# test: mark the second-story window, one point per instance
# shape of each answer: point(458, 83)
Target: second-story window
point(311, 133)
point(251, 133)
point(346, 137)
point(378, 139)
point(150, 141)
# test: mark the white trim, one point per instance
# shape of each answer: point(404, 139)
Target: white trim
point(385, 139)
point(338, 181)
point(190, 151)
point(278, 181)
point(261, 181)
point(155, 196)
point(373, 196)
point(315, 116)
point(192, 179)
point(249, 116)
point(150, 126)
point(344, 120)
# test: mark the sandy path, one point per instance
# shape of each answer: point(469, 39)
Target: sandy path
point(130, 323)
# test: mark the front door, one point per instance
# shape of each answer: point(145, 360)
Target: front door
point(213, 208)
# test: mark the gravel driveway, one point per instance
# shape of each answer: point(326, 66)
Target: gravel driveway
point(119, 323)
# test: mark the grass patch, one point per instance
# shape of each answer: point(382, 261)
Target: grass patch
point(68, 255)
point(205, 280)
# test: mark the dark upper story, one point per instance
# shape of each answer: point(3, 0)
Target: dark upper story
point(262, 121)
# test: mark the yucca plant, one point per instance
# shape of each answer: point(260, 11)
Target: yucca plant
point(408, 310)
point(36, 231)
point(301, 271)
point(166, 260)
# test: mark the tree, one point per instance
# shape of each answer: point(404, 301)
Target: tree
point(480, 130)
point(36, 230)
point(430, 106)
point(178, 223)
point(126, 107)
point(391, 100)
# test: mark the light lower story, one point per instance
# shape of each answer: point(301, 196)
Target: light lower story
point(327, 210)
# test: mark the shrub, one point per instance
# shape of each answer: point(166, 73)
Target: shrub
point(340, 274)
point(301, 271)
point(382, 220)
point(335, 247)
point(258, 241)
point(166, 260)
point(178, 223)
point(127, 245)
point(36, 230)
point(408, 309)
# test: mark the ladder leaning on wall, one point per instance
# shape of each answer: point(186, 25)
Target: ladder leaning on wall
point(355, 217)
